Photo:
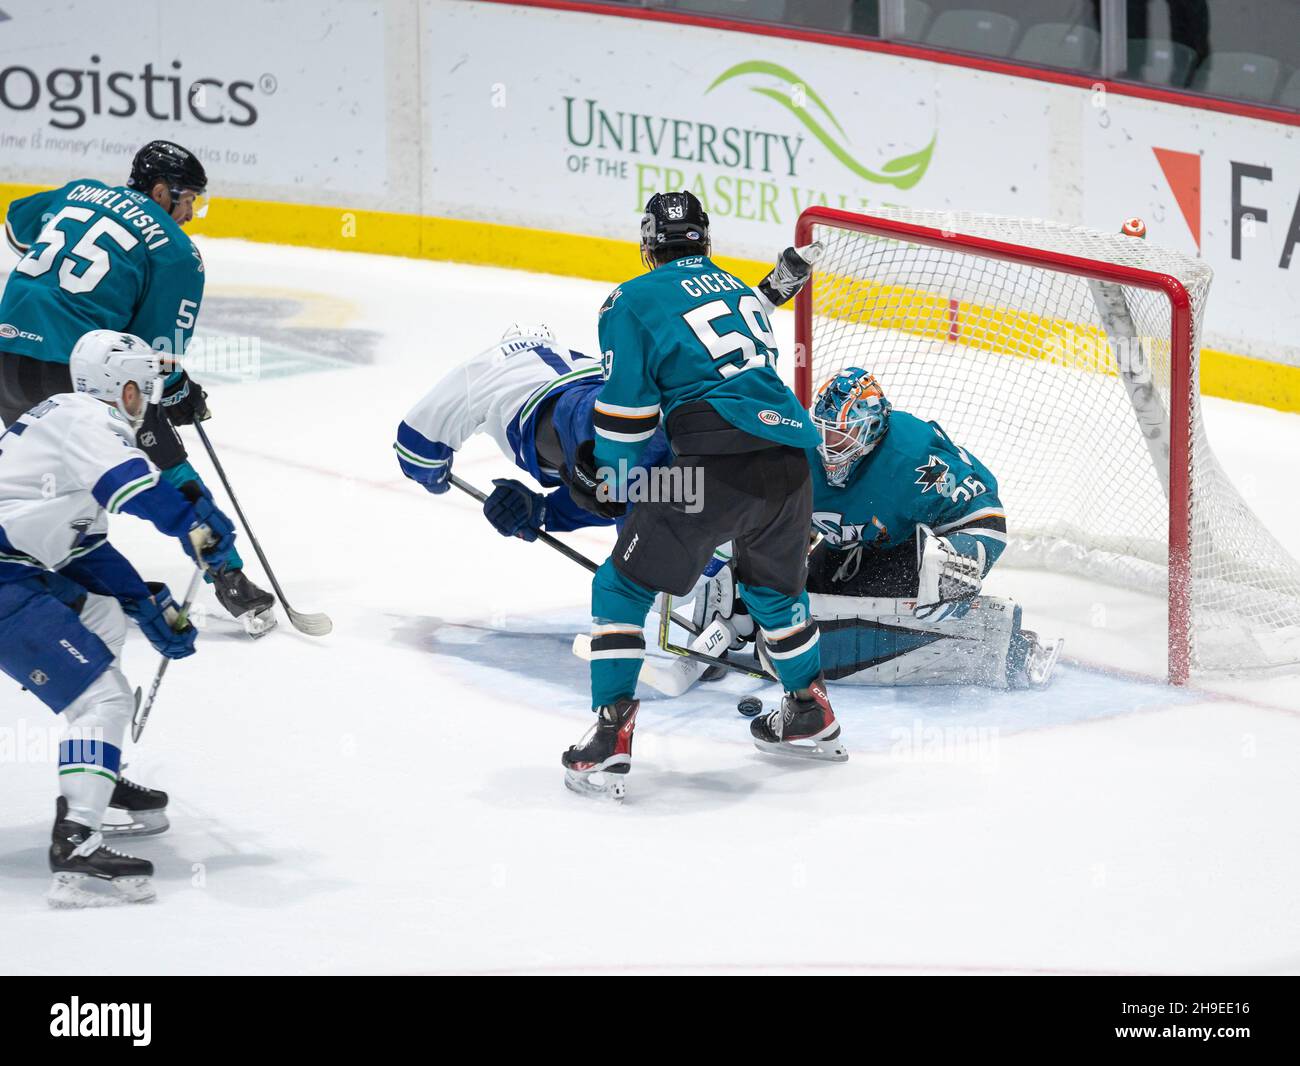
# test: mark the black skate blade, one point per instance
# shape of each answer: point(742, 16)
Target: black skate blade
point(73, 891)
point(135, 823)
point(596, 784)
point(824, 749)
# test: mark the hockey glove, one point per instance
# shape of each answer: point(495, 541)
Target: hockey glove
point(158, 439)
point(586, 487)
point(791, 273)
point(159, 618)
point(218, 533)
point(514, 509)
point(949, 580)
point(185, 402)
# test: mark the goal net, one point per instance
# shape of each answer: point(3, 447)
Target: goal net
point(1066, 359)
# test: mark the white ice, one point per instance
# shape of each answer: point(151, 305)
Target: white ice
point(389, 798)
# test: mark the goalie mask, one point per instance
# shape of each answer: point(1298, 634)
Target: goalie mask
point(104, 360)
point(852, 415)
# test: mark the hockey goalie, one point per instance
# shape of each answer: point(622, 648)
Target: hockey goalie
point(906, 526)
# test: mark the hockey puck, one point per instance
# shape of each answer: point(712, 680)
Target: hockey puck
point(750, 706)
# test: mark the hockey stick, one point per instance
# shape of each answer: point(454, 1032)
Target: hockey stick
point(544, 537)
point(569, 553)
point(666, 618)
point(314, 625)
point(141, 715)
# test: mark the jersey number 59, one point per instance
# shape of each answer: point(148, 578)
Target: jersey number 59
point(735, 351)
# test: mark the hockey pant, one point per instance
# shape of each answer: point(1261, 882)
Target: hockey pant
point(63, 645)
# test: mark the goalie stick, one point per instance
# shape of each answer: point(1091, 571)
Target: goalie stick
point(314, 625)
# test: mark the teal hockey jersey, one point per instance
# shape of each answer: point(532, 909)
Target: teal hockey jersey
point(915, 476)
point(97, 257)
point(684, 332)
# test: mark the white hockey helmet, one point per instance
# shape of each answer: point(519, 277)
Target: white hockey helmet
point(104, 360)
point(528, 329)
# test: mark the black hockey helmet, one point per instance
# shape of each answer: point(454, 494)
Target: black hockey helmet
point(165, 161)
point(674, 222)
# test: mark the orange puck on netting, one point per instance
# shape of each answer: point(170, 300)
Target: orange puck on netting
point(1134, 227)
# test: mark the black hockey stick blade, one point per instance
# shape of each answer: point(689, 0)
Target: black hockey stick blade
point(314, 625)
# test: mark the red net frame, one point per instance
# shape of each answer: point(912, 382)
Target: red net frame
point(1182, 356)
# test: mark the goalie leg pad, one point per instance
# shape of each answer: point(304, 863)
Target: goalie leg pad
point(879, 641)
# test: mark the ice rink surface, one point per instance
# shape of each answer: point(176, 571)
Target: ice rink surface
point(390, 799)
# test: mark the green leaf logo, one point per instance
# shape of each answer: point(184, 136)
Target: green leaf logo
point(903, 172)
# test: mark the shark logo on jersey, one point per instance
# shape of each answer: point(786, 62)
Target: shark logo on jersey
point(934, 475)
point(831, 525)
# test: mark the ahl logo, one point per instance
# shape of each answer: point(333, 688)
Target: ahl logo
point(38, 677)
point(9, 332)
point(147, 439)
point(772, 418)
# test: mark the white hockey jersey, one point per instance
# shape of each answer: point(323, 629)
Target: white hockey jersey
point(64, 466)
point(497, 392)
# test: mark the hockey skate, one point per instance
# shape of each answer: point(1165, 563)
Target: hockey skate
point(805, 729)
point(251, 606)
point(1031, 661)
point(87, 873)
point(135, 811)
point(598, 765)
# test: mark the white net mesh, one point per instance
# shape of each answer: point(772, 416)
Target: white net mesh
point(1060, 384)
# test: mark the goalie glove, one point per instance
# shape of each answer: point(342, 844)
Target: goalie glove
point(791, 273)
point(949, 580)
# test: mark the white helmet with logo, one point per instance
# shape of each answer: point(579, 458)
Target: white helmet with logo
point(104, 360)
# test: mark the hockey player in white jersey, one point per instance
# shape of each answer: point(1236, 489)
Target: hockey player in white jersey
point(535, 398)
point(65, 592)
point(909, 525)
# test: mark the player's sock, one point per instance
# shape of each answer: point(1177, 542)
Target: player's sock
point(618, 610)
point(790, 634)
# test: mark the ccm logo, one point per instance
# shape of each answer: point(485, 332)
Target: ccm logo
point(771, 418)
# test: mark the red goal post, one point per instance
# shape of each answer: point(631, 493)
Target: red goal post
point(1182, 355)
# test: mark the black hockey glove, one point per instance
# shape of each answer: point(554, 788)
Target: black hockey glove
point(158, 439)
point(185, 402)
point(791, 273)
point(586, 488)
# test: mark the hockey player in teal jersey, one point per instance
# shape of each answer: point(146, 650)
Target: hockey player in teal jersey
point(95, 256)
point(910, 524)
point(691, 344)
